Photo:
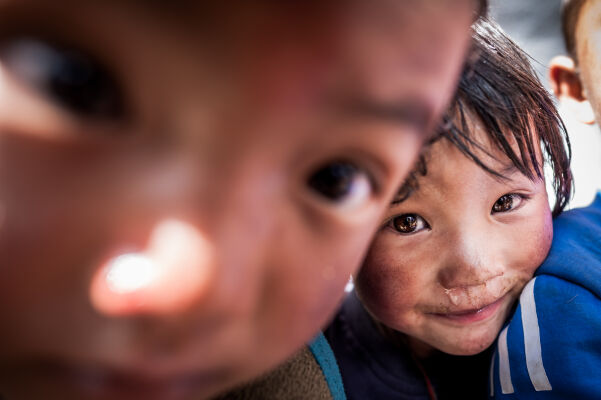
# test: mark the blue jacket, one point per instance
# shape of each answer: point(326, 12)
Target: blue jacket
point(551, 347)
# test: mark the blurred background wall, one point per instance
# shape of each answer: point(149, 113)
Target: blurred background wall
point(535, 26)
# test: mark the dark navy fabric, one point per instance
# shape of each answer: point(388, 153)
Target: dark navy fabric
point(373, 367)
point(567, 294)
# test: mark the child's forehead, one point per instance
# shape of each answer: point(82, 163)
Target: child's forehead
point(451, 173)
point(227, 27)
point(240, 27)
point(370, 50)
point(446, 159)
point(233, 15)
point(447, 167)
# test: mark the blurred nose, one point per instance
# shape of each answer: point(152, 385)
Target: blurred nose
point(472, 260)
point(172, 271)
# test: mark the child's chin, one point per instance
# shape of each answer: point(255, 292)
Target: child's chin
point(469, 347)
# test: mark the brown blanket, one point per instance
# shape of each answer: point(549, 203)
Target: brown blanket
point(299, 378)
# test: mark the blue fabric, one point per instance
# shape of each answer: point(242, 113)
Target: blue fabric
point(325, 358)
point(567, 293)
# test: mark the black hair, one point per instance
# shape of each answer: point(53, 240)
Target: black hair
point(570, 12)
point(482, 10)
point(500, 89)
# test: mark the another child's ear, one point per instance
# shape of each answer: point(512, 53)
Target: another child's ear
point(567, 87)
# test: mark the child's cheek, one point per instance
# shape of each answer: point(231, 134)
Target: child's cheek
point(535, 249)
point(385, 283)
point(543, 242)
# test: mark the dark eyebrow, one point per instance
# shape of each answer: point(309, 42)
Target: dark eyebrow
point(509, 169)
point(404, 193)
point(411, 183)
point(413, 112)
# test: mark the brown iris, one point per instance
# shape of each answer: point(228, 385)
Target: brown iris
point(504, 203)
point(335, 180)
point(405, 223)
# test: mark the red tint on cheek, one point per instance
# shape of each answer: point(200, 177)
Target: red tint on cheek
point(547, 237)
point(541, 243)
point(385, 283)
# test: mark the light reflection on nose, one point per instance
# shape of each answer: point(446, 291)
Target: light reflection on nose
point(172, 273)
point(130, 272)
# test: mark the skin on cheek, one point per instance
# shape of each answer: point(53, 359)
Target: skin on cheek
point(532, 249)
point(543, 239)
point(538, 238)
point(383, 285)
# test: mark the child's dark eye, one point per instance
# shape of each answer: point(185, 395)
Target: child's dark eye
point(74, 80)
point(506, 203)
point(341, 182)
point(408, 223)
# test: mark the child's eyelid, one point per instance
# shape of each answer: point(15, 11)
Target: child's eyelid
point(18, 102)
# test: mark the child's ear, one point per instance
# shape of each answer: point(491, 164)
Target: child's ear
point(567, 87)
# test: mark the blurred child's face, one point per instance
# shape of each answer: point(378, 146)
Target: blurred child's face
point(185, 189)
point(451, 260)
point(588, 49)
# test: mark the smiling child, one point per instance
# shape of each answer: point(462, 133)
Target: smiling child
point(460, 241)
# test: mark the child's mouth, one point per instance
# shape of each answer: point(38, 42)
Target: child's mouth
point(473, 315)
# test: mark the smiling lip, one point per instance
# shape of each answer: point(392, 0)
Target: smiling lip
point(474, 315)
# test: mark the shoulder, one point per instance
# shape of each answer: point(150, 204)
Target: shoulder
point(575, 254)
point(311, 373)
point(552, 344)
point(324, 356)
point(372, 367)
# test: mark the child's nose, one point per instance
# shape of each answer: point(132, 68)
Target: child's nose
point(472, 261)
point(172, 272)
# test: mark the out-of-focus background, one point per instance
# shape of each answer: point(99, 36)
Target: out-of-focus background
point(535, 26)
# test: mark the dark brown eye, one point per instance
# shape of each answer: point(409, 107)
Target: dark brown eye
point(503, 204)
point(341, 182)
point(72, 79)
point(409, 223)
point(334, 181)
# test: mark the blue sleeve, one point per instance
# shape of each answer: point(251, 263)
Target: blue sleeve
point(551, 347)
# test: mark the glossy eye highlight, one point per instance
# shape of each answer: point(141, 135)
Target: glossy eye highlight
point(408, 223)
point(506, 203)
point(341, 182)
point(72, 79)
